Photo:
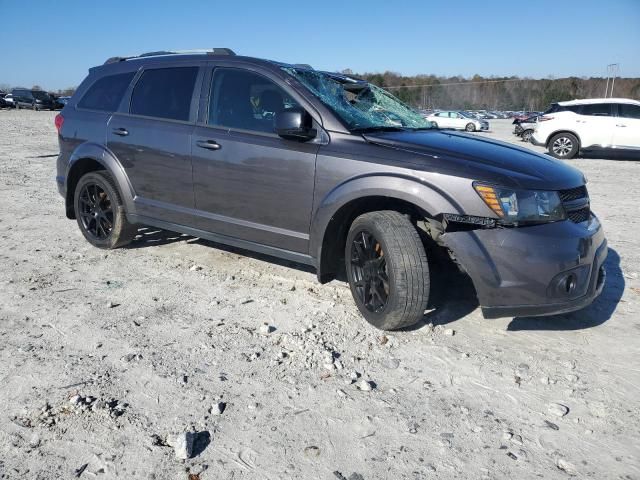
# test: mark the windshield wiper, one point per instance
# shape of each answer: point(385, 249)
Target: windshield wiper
point(379, 128)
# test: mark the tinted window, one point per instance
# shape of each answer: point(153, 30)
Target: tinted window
point(106, 93)
point(164, 93)
point(628, 111)
point(246, 100)
point(597, 109)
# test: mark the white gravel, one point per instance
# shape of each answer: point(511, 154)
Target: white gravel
point(444, 406)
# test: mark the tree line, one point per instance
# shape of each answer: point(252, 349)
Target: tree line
point(495, 93)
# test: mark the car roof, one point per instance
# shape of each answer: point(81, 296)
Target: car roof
point(589, 101)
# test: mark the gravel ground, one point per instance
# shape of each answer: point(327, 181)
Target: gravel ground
point(107, 359)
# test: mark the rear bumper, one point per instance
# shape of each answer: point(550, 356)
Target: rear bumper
point(533, 271)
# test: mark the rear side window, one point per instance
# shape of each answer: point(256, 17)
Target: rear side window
point(628, 111)
point(597, 109)
point(106, 93)
point(164, 93)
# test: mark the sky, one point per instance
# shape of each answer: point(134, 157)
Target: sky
point(57, 42)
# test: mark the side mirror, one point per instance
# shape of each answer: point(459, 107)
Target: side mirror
point(294, 124)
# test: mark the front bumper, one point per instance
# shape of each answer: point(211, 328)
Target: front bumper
point(533, 271)
point(537, 142)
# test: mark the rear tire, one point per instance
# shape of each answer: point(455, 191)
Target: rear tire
point(564, 146)
point(100, 212)
point(470, 127)
point(387, 269)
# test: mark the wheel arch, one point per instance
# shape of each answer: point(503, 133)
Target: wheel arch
point(344, 204)
point(563, 130)
point(91, 157)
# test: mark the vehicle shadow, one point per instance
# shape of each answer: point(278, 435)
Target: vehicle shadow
point(611, 155)
point(452, 295)
point(255, 255)
point(595, 314)
point(149, 237)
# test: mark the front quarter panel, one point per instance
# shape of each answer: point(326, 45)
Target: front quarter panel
point(350, 168)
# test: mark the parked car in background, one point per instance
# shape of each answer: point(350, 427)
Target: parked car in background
point(8, 100)
point(63, 100)
point(598, 123)
point(524, 128)
point(34, 99)
point(328, 178)
point(458, 120)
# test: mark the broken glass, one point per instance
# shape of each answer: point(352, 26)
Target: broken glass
point(360, 105)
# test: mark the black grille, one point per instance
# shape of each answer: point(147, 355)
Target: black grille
point(573, 194)
point(577, 211)
point(578, 216)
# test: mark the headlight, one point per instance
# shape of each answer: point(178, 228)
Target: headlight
point(515, 206)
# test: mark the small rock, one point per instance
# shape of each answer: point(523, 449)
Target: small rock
point(571, 378)
point(551, 425)
point(506, 436)
point(75, 399)
point(218, 408)
point(312, 451)
point(365, 385)
point(544, 380)
point(182, 444)
point(112, 305)
point(338, 364)
point(195, 268)
point(567, 467)
point(517, 439)
point(558, 409)
point(476, 429)
point(266, 329)
point(449, 332)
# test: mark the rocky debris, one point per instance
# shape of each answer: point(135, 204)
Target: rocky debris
point(566, 467)
point(557, 409)
point(353, 476)
point(79, 471)
point(365, 385)
point(551, 425)
point(266, 329)
point(218, 408)
point(312, 451)
point(182, 444)
point(449, 332)
point(112, 305)
point(195, 268)
point(131, 357)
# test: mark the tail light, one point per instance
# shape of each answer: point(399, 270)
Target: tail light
point(59, 121)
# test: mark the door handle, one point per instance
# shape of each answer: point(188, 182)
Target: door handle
point(620, 125)
point(123, 132)
point(209, 144)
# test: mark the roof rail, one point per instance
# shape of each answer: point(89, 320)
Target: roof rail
point(209, 51)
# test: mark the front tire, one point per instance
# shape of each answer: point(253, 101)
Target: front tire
point(470, 127)
point(564, 146)
point(100, 212)
point(526, 135)
point(387, 269)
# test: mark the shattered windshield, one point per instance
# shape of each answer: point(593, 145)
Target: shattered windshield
point(360, 105)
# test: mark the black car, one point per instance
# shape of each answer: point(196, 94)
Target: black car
point(34, 99)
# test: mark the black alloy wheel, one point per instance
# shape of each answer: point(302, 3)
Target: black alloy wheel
point(369, 271)
point(96, 211)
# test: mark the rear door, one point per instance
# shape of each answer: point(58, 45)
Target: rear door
point(595, 125)
point(151, 137)
point(250, 183)
point(627, 130)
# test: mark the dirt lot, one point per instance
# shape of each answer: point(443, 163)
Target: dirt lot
point(104, 354)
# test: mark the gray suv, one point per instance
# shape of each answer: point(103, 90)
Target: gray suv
point(327, 170)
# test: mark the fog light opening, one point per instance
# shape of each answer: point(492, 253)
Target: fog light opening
point(570, 283)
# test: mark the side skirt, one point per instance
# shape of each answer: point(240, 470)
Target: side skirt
point(224, 239)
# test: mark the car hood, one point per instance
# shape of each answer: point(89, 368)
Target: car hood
point(480, 159)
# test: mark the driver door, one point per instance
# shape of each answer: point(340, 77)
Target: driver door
point(249, 183)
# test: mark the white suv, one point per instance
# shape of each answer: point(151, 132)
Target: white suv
point(597, 123)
